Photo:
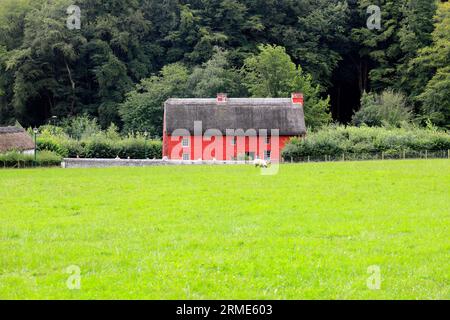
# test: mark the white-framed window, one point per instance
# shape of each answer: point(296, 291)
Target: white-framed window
point(233, 141)
point(186, 156)
point(267, 140)
point(185, 142)
point(267, 155)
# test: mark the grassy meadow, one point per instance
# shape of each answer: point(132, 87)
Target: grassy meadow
point(216, 232)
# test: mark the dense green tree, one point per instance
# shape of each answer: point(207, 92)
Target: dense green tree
point(215, 76)
point(381, 46)
point(414, 35)
point(43, 69)
point(143, 108)
point(67, 72)
point(436, 98)
point(319, 38)
point(316, 108)
point(432, 71)
point(12, 20)
point(406, 26)
point(377, 59)
point(417, 26)
point(271, 73)
point(48, 70)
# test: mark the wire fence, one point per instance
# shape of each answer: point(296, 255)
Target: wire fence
point(400, 155)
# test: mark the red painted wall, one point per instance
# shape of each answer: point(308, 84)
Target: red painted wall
point(221, 147)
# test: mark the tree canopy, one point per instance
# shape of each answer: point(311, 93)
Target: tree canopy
point(128, 56)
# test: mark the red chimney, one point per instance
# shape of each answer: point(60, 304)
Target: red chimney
point(297, 98)
point(222, 98)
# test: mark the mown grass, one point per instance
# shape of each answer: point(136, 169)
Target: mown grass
point(309, 232)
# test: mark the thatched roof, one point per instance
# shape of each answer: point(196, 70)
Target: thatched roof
point(15, 139)
point(236, 113)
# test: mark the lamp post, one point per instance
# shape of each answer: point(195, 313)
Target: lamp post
point(35, 131)
point(145, 143)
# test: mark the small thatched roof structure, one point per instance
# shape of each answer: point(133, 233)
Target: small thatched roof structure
point(236, 113)
point(15, 139)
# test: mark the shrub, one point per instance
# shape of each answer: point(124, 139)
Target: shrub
point(48, 159)
point(53, 145)
point(81, 127)
point(155, 149)
point(102, 146)
point(388, 108)
point(334, 141)
point(19, 160)
point(137, 148)
point(133, 148)
point(15, 159)
point(74, 148)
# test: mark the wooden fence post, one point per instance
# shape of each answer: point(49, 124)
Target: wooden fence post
point(426, 154)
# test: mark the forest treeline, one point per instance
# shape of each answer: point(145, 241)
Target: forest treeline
point(131, 55)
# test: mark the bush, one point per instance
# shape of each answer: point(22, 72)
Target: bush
point(388, 108)
point(15, 159)
point(81, 127)
point(139, 149)
point(53, 145)
point(74, 148)
point(19, 160)
point(48, 159)
point(100, 146)
point(154, 150)
point(334, 141)
point(133, 148)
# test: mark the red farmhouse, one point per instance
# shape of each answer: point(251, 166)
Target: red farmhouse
point(231, 129)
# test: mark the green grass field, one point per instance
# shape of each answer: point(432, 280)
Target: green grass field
point(191, 232)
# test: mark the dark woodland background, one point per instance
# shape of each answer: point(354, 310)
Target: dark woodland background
point(130, 55)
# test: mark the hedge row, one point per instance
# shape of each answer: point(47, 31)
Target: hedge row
point(336, 141)
point(133, 148)
point(19, 160)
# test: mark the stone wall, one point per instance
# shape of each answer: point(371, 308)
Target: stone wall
point(104, 163)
